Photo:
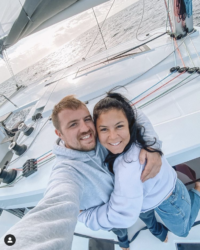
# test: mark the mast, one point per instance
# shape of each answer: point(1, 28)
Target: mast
point(180, 17)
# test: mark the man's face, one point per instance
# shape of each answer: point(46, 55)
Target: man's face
point(77, 129)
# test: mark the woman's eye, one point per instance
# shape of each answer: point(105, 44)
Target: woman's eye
point(120, 126)
point(103, 129)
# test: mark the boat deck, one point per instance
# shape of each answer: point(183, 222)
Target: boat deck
point(175, 117)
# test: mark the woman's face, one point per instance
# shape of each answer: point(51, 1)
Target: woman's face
point(113, 130)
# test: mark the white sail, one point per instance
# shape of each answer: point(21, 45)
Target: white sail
point(20, 19)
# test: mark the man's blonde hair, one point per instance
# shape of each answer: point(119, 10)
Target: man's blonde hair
point(68, 102)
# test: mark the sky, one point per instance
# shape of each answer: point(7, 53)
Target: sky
point(36, 46)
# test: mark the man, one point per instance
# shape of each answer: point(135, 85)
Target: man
point(79, 179)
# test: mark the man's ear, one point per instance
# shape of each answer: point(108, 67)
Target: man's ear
point(58, 133)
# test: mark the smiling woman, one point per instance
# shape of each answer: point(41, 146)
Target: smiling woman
point(113, 130)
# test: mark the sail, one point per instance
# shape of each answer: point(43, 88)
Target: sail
point(19, 18)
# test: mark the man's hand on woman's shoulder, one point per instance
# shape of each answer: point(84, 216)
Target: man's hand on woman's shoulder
point(153, 164)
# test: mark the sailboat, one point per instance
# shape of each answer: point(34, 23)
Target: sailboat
point(161, 75)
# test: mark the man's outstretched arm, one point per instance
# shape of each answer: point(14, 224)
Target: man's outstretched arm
point(153, 160)
point(50, 225)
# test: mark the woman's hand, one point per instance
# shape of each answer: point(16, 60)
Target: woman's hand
point(153, 164)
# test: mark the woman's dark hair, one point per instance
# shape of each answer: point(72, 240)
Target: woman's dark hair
point(119, 102)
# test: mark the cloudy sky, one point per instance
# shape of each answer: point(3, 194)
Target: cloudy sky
point(33, 48)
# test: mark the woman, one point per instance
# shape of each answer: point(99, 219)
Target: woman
point(118, 131)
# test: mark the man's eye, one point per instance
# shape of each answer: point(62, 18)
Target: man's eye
point(88, 119)
point(72, 125)
point(103, 129)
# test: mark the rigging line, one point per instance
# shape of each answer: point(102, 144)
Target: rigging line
point(136, 47)
point(167, 15)
point(5, 56)
point(140, 24)
point(175, 60)
point(43, 154)
point(111, 58)
point(152, 86)
point(101, 36)
point(131, 81)
point(174, 38)
point(98, 32)
point(188, 53)
point(157, 88)
point(25, 11)
point(167, 92)
point(194, 46)
point(101, 28)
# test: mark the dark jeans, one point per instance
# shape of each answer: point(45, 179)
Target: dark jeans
point(122, 236)
point(156, 228)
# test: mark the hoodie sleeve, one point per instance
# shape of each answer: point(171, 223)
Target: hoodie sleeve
point(124, 206)
point(50, 225)
point(149, 133)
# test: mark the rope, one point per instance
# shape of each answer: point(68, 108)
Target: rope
point(43, 154)
point(167, 91)
point(157, 89)
point(188, 54)
point(194, 47)
point(152, 87)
